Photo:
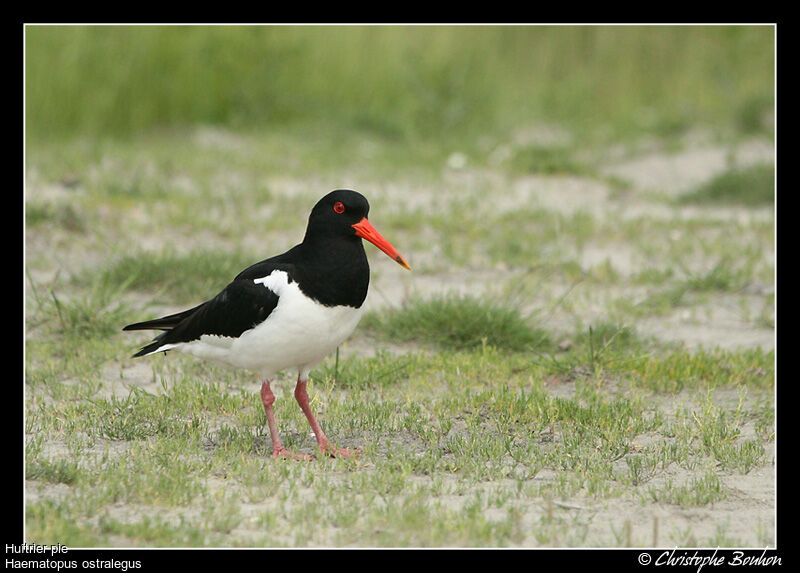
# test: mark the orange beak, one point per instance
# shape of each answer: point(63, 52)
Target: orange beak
point(366, 231)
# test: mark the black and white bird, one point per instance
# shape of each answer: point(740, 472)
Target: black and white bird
point(288, 311)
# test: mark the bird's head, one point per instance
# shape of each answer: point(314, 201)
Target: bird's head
point(343, 212)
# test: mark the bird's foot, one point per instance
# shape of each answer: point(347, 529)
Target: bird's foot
point(285, 454)
point(328, 449)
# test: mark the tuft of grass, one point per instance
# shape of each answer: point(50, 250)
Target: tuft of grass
point(59, 470)
point(704, 368)
point(547, 160)
point(727, 274)
point(380, 370)
point(754, 115)
point(95, 313)
point(459, 323)
point(65, 216)
point(609, 335)
point(699, 491)
point(604, 346)
point(179, 277)
point(751, 186)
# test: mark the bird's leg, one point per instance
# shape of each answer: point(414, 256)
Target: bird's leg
point(301, 395)
point(278, 451)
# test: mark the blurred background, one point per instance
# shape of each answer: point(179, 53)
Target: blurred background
point(399, 82)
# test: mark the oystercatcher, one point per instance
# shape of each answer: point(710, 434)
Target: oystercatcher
point(288, 311)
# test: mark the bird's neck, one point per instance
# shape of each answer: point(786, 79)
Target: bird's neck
point(338, 270)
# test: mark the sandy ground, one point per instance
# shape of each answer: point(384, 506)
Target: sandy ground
point(748, 514)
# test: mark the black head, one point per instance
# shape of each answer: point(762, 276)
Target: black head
point(336, 213)
point(343, 213)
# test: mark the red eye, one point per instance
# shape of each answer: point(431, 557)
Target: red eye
point(338, 207)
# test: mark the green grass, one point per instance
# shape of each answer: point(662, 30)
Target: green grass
point(547, 160)
point(422, 81)
point(490, 409)
point(700, 491)
point(64, 216)
point(174, 277)
point(459, 323)
point(94, 313)
point(420, 455)
point(752, 186)
point(606, 335)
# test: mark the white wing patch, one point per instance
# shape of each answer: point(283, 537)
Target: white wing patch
point(276, 281)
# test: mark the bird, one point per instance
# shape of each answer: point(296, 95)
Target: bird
point(286, 312)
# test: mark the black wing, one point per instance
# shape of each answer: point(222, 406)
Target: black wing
point(284, 262)
point(238, 307)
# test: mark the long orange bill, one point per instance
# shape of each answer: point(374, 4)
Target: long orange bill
point(365, 230)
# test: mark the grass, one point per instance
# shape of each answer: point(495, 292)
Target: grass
point(608, 362)
point(458, 323)
point(547, 160)
point(700, 491)
point(752, 186)
point(167, 272)
point(413, 81)
point(495, 409)
point(464, 434)
point(428, 461)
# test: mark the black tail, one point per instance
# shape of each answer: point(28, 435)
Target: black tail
point(165, 323)
point(150, 347)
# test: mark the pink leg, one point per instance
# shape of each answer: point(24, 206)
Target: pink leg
point(301, 395)
point(278, 451)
